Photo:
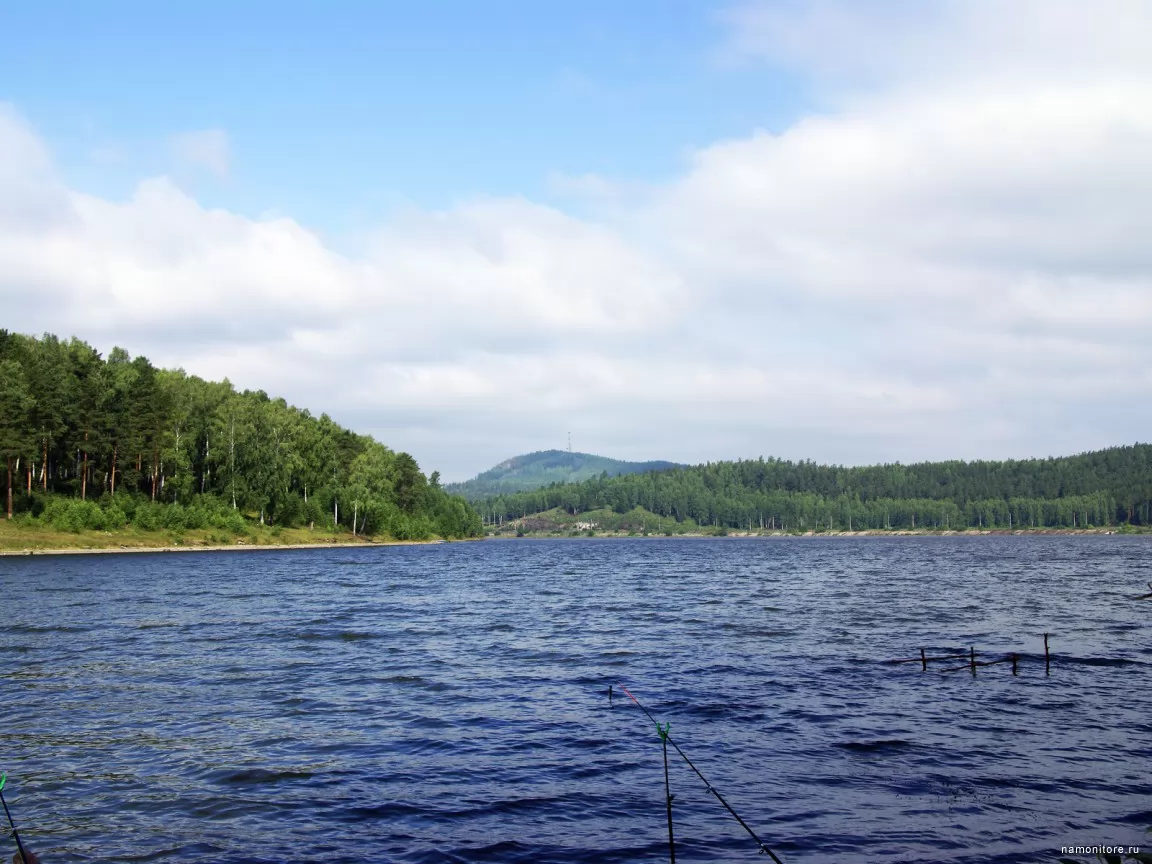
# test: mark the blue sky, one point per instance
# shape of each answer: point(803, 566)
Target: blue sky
point(851, 231)
point(338, 112)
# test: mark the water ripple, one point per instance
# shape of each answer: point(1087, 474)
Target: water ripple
point(450, 703)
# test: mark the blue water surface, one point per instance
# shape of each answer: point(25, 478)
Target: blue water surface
point(449, 703)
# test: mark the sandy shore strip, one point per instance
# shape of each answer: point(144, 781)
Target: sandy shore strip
point(237, 547)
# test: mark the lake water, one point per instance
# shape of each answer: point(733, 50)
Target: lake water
point(449, 703)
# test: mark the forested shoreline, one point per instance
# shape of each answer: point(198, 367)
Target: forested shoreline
point(1106, 488)
point(101, 443)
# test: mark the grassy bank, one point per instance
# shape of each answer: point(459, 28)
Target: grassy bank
point(17, 538)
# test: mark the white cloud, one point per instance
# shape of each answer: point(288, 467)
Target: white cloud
point(951, 261)
point(267, 304)
point(909, 43)
point(961, 197)
point(204, 148)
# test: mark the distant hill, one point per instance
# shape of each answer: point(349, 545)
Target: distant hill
point(536, 470)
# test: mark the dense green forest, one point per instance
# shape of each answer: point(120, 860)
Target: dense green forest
point(545, 467)
point(99, 443)
point(1109, 487)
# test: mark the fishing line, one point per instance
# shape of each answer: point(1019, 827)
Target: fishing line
point(23, 855)
point(663, 731)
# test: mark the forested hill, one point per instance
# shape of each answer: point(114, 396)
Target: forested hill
point(1108, 487)
point(159, 448)
point(535, 470)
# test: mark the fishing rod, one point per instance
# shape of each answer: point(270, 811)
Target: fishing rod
point(667, 790)
point(23, 855)
point(667, 738)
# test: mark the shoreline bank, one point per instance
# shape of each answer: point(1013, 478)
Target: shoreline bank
point(235, 547)
point(359, 543)
point(788, 535)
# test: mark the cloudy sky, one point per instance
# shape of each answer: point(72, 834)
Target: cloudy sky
point(847, 230)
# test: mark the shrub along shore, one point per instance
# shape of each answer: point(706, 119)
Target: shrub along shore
point(89, 529)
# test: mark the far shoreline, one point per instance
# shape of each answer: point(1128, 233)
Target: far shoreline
point(812, 535)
